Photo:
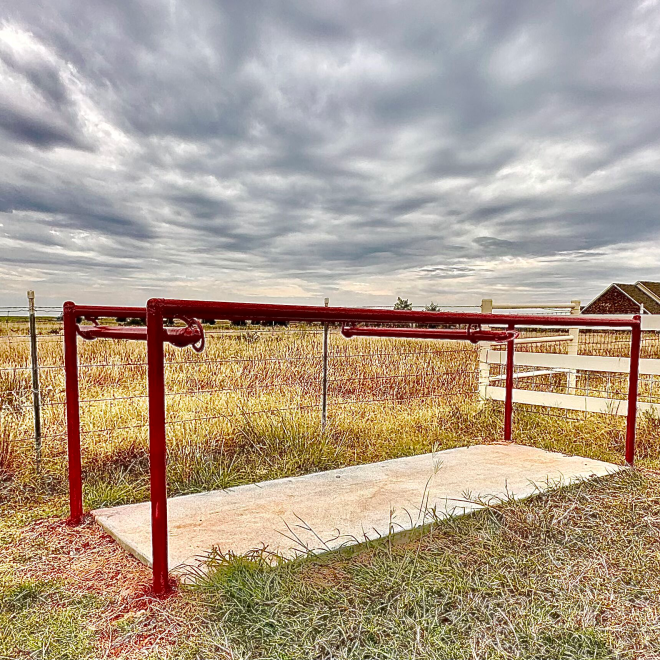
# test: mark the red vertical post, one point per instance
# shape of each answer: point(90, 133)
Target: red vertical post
point(508, 401)
point(157, 445)
point(633, 385)
point(72, 412)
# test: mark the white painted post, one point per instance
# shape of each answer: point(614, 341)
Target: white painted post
point(484, 367)
point(571, 378)
point(324, 399)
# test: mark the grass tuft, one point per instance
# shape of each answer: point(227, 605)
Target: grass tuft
point(7, 451)
point(570, 574)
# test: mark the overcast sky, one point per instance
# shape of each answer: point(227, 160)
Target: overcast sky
point(288, 151)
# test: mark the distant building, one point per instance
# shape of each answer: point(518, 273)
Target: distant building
point(638, 298)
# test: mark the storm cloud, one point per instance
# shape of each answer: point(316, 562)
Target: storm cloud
point(357, 150)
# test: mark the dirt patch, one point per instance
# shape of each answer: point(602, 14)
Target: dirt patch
point(87, 562)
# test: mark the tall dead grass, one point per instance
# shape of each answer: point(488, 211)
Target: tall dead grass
point(249, 408)
point(7, 453)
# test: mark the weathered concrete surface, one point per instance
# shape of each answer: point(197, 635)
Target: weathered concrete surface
point(327, 510)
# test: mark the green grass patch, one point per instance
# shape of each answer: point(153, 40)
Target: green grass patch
point(571, 574)
point(41, 620)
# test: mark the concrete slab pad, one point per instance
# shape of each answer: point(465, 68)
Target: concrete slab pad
point(328, 510)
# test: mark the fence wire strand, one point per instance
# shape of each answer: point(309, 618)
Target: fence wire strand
point(244, 362)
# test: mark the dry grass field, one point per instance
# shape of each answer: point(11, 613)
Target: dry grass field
point(574, 574)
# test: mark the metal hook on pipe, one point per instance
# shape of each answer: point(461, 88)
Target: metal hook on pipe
point(196, 327)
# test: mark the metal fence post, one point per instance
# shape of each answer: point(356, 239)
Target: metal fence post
point(484, 367)
point(573, 346)
point(324, 396)
point(36, 398)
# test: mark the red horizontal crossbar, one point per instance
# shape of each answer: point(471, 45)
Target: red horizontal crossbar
point(98, 311)
point(179, 337)
point(474, 336)
point(203, 309)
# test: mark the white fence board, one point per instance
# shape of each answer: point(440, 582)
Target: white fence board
point(571, 401)
point(581, 362)
point(651, 322)
point(531, 374)
point(569, 364)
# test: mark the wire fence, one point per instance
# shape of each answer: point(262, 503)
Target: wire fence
point(245, 371)
point(273, 372)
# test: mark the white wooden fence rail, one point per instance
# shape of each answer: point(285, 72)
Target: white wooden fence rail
point(571, 364)
point(558, 363)
point(582, 362)
point(571, 401)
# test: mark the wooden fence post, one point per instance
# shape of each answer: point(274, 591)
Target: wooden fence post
point(484, 367)
point(573, 346)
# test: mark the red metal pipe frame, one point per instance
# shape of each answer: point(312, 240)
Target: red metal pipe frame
point(474, 335)
point(155, 335)
point(633, 385)
point(109, 311)
point(305, 313)
point(70, 313)
point(191, 335)
point(91, 332)
point(157, 447)
point(72, 413)
point(157, 309)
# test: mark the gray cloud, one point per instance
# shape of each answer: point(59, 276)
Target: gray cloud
point(292, 150)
